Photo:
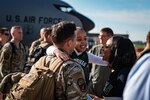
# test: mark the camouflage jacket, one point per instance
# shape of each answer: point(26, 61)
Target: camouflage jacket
point(12, 60)
point(34, 44)
point(96, 49)
point(70, 82)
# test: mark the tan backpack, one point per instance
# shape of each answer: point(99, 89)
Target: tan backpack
point(38, 84)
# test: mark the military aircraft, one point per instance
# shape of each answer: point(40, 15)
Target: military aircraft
point(32, 15)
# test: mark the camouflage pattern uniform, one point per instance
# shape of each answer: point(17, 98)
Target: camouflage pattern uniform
point(12, 61)
point(34, 44)
point(34, 56)
point(44, 45)
point(70, 82)
point(99, 74)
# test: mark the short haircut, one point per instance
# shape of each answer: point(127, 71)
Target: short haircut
point(15, 27)
point(47, 31)
point(63, 31)
point(148, 37)
point(108, 31)
point(2, 30)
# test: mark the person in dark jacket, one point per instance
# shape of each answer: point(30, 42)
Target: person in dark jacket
point(121, 55)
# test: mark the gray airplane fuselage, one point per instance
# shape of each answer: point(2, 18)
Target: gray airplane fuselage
point(32, 15)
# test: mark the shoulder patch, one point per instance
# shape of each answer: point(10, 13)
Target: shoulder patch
point(82, 84)
point(7, 45)
point(6, 48)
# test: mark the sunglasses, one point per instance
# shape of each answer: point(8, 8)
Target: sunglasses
point(6, 34)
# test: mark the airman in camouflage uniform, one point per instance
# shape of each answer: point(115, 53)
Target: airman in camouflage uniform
point(39, 49)
point(70, 79)
point(13, 54)
point(100, 74)
point(38, 41)
point(70, 82)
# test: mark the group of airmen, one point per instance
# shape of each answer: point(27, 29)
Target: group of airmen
point(14, 55)
point(74, 80)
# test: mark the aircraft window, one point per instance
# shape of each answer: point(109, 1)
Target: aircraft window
point(64, 8)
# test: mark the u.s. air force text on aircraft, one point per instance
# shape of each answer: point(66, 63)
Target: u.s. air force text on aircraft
point(32, 19)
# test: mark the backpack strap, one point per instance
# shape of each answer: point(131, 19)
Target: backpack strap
point(24, 48)
point(55, 64)
point(48, 63)
point(40, 64)
point(44, 45)
point(13, 47)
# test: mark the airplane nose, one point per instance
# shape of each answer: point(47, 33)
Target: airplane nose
point(86, 22)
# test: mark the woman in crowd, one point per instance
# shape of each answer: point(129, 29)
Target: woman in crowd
point(121, 56)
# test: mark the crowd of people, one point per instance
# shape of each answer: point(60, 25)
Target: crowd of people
point(110, 70)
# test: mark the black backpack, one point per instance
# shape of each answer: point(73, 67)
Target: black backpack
point(35, 55)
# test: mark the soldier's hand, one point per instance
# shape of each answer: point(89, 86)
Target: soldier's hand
point(94, 97)
point(61, 55)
